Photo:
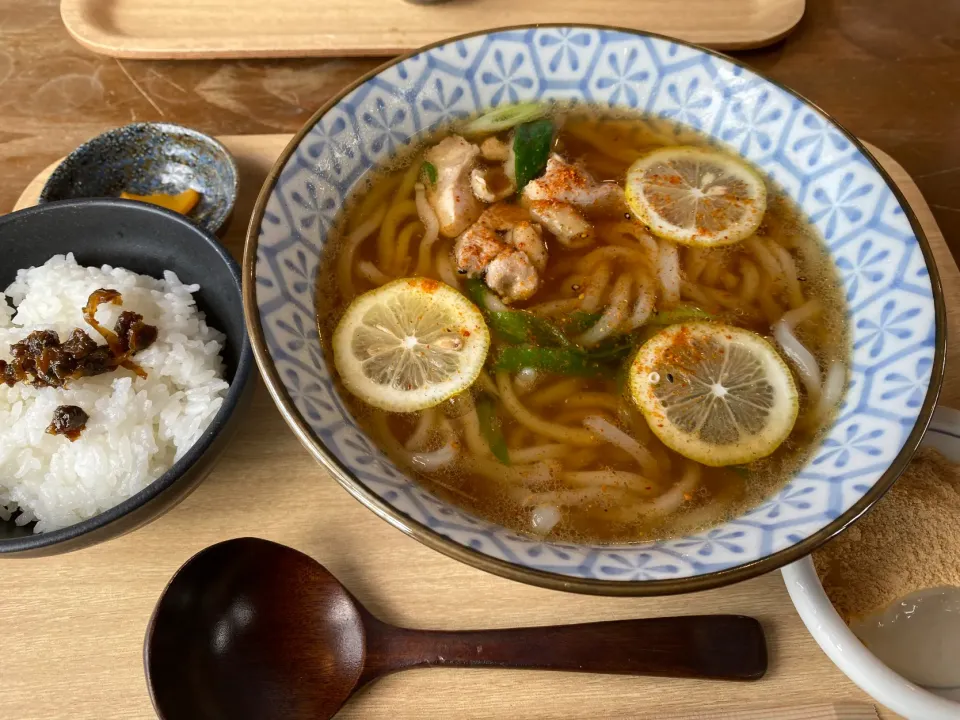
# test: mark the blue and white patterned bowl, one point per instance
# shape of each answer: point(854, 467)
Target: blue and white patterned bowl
point(896, 307)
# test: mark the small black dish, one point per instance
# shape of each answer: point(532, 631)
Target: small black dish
point(146, 158)
point(147, 240)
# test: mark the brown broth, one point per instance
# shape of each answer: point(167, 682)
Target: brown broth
point(606, 144)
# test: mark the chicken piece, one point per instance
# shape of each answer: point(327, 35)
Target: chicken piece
point(476, 248)
point(503, 216)
point(513, 226)
point(491, 184)
point(568, 183)
point(527, 237)
point(506, 248)
point(512, 276)
point(510, 164)
point(451, 197)
point(564, 221)
point(494, 149)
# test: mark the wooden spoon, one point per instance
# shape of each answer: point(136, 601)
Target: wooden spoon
point(252, 629)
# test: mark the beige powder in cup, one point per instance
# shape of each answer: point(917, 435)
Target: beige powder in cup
point(909, 541)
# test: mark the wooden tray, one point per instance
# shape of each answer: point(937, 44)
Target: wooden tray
point(72, 626)
point(298, 28)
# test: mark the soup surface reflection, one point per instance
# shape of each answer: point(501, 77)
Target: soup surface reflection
point(533, 224)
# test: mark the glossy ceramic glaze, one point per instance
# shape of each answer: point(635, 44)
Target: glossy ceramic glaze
point(147, 240)
point(146, 158)
point(896, 310)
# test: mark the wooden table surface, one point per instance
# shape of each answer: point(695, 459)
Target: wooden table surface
point(886, 69)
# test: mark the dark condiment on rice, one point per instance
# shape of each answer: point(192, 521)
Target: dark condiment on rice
point(41, 360)
point(69, 421)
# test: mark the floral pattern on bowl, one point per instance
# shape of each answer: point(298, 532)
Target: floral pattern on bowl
point(885, 268)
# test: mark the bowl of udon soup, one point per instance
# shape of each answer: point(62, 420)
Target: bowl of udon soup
point(594, 309)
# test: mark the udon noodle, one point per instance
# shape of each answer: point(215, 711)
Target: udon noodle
point(581, 460)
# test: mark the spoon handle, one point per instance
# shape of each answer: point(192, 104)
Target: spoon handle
point(723, 647)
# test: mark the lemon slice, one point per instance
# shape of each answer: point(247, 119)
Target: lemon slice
point(715, 393)
point(695, 196)
point(410, 345)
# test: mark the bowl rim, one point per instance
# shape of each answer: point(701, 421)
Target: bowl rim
point(232, 183)
point(848, 653)
point(14, 547)
point(541, 578)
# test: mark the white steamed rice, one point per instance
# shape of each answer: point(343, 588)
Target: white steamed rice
point(137, 428)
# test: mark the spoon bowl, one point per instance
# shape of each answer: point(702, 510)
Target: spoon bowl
point(242, 619)
point(249, 629)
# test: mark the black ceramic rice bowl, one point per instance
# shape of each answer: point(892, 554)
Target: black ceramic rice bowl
point(146, 240)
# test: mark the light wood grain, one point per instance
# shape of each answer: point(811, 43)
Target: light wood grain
point(298, 28)
point(71, 627)
point(821, 711)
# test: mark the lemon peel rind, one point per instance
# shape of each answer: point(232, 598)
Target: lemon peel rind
point(392, 399)
point(693, 448)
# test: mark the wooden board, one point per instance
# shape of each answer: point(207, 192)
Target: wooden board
point(71, 627)
point(297, 28)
